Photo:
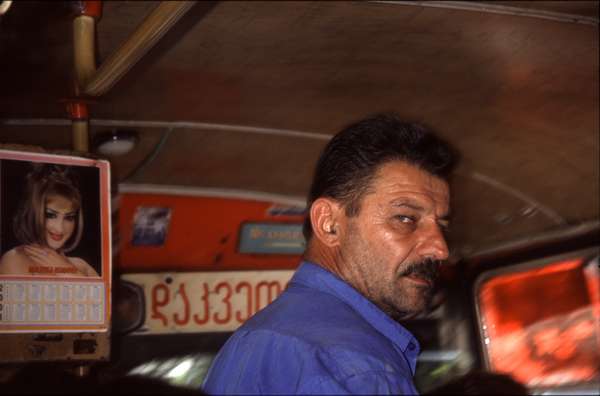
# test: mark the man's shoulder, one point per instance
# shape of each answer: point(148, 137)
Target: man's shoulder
point(315, 359)
point(314, 319)
point(299, 307)
point(306, 341)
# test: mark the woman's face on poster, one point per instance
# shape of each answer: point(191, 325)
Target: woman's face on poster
point(60, 218)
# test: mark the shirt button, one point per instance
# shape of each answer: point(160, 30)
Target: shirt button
point(411, 346)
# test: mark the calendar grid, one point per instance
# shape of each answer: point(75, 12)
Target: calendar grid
point(41, 303)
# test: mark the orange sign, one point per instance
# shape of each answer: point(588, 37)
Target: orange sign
point(197, 230)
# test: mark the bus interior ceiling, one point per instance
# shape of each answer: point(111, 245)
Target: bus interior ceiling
point(248, 94)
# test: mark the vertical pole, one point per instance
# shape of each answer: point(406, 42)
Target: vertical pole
point(78, 112)
point(81, 142)
point(87, 13)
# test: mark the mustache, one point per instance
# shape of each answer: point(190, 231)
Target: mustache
point(427, 269)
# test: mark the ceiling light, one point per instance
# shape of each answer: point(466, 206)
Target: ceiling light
point(114, 143)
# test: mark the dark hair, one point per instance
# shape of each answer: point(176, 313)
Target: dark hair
point(351, 159)
point(45, 180)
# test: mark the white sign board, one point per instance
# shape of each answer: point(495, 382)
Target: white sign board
point(190, 302)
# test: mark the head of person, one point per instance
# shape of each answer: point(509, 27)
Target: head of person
point(378, 206)
point(50, 214)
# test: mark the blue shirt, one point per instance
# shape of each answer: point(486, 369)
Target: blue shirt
point(320, 336)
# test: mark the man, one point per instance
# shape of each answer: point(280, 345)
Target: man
point(378, 207)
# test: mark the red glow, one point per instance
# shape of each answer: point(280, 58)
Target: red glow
point(541, 325)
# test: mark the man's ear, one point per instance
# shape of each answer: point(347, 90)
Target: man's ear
point(325, 220)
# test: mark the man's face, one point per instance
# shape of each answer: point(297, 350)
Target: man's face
point(388, 248)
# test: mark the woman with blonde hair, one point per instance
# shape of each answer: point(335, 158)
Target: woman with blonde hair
point(48, 224)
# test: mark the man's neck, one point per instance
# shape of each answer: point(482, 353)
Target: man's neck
point(324, 256)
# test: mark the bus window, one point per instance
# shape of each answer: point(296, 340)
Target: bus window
point(539, 323)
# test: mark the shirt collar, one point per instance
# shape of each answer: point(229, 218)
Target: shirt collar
point(319, 278)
